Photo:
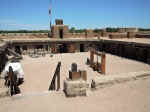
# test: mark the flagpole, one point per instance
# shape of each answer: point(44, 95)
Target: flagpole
point(50, 14)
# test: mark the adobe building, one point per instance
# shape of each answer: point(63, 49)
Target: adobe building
point(59, 41)
point(59, 31)
point(62, 41)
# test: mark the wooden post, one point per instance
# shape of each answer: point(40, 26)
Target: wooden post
point(91, 57)
point(58, 80)
point(103, 63)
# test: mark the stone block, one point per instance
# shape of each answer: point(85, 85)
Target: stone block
point(75, 88)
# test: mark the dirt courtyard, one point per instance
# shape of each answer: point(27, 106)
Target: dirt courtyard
point(133, 96)
point(39, 71)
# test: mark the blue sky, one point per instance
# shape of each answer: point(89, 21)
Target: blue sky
point(33, 14)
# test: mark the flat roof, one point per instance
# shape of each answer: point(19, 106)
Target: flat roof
point(51, 40)
point(145, 41)
point(135, 40)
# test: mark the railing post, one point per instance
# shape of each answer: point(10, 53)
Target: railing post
point(56, 74)
point(58, 77)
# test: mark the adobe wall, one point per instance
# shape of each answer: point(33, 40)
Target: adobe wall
point(122, 35)
point(76, 35)
point(142, 35)
point(104, 34)
point(135, 51)
point(23, 34)
point(3, 57)
point(50, 47)
point(117, 35)
point(55, 31)
point(3, 61)
point(83, 35)
point(131, 50)
point(131, 34)
point(123, 30)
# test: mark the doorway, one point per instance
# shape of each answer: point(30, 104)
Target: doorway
point(17, 49)
point(63, 48)
point(39, 47)
point(61, 33)
point(145, 55)
point(24, 48)
point(81, 47)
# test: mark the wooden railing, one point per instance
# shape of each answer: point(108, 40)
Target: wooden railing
point(52, 86)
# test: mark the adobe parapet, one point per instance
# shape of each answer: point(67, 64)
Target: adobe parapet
point(50, 40)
